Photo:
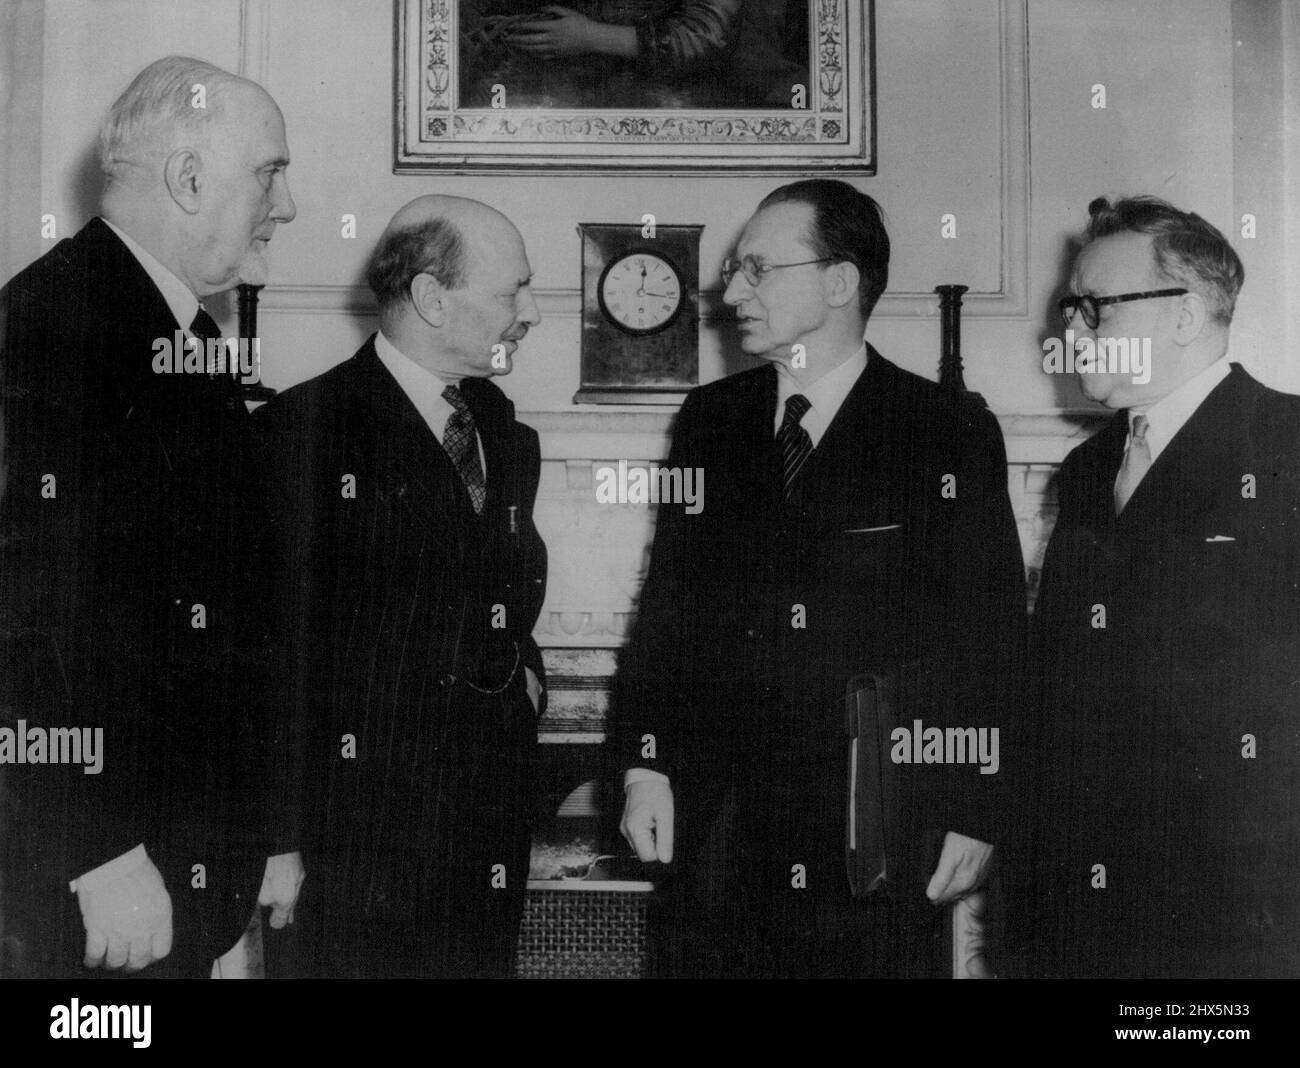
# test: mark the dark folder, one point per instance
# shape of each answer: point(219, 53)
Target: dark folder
point(870, 711)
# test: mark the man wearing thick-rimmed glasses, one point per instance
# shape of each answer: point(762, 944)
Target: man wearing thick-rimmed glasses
point(1166, 632)
point(827, 547)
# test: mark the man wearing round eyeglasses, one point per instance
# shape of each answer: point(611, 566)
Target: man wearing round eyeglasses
point(1166, 633)
point(827, 548)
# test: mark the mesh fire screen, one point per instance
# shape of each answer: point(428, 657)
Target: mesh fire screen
point(583, 931)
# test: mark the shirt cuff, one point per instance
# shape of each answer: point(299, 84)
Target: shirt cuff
point(114, 869)
point(642, 775)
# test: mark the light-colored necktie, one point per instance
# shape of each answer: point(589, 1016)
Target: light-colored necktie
point(1137, 462)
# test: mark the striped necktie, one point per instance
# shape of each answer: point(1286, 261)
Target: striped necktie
point(796, 445)
point(461, 444)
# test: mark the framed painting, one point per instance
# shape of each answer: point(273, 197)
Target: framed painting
point(635, 86)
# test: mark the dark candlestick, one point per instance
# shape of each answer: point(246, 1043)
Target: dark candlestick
point(950, 369)
point(251, 391)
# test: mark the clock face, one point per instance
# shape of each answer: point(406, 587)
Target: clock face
point(641, 292)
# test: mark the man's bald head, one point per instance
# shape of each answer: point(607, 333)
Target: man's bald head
point(451, 278)
point(159, 112)
point(436, 235)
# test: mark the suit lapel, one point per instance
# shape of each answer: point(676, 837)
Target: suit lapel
point(1096, 501)
point(850, 453)
point(757, 457)
point(415, 468)
point(120, 292)
point(1207, 456)
point(121, 289)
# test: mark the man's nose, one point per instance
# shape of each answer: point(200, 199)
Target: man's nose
point(738, 290)
point(1079, 325)
point(528, 311)
point(284, 209)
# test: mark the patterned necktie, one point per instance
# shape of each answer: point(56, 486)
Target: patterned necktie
point(461, 444)
point(205, 328)
point(796, 445)
point(1137, 462)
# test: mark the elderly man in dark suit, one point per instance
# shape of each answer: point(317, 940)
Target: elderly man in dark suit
point(127, 532)
point(1167, 630)
point(856, 520)
point(406, 491)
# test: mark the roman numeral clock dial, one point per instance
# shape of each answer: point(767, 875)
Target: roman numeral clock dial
point(641, 292)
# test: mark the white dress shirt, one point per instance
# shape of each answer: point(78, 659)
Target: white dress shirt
point(825, 396)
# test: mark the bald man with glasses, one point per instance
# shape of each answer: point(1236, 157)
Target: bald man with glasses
point(1166, 632)
point(827, 548)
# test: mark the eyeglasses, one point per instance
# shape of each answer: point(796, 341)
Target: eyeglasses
point(754, 271)
point(1090, 307)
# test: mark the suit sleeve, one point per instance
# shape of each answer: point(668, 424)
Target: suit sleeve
point(534, 563)
point(652, 689)
point(974, 665)
point(49, 653)
point(286, 570)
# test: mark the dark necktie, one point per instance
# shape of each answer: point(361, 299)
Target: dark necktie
point(461, 445)
point(205, 328)
point(796, 445)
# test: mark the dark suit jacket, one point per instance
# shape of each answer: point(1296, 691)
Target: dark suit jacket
point(747, 710)
point(151, 516)
point(390, 636)
point(1145, 719)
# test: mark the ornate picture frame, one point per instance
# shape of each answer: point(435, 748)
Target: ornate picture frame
point(471, 100)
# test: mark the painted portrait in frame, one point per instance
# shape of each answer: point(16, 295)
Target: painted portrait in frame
point(637, 86)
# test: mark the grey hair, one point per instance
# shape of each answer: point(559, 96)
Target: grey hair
point(1185, 248)
point(146, 119)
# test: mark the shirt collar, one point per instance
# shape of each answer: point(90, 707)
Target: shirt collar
point(825, 396)
point(1170, 413)
point(422, 386)
point(181, 301)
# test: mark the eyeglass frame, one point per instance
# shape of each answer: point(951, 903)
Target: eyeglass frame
point(762, 269)
point(1075, 303)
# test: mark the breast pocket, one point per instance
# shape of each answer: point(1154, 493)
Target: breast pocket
point(1219, 579)
point(861, 563)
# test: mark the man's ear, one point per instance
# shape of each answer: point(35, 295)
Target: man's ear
point(182, 174)
point(429, 299)
point(1193, 318)
point(842, 283)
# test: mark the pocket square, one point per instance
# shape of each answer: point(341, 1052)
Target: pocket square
point(1218, 538)
point(874, 530)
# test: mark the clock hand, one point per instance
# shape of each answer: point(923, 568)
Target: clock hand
point(664, 296)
